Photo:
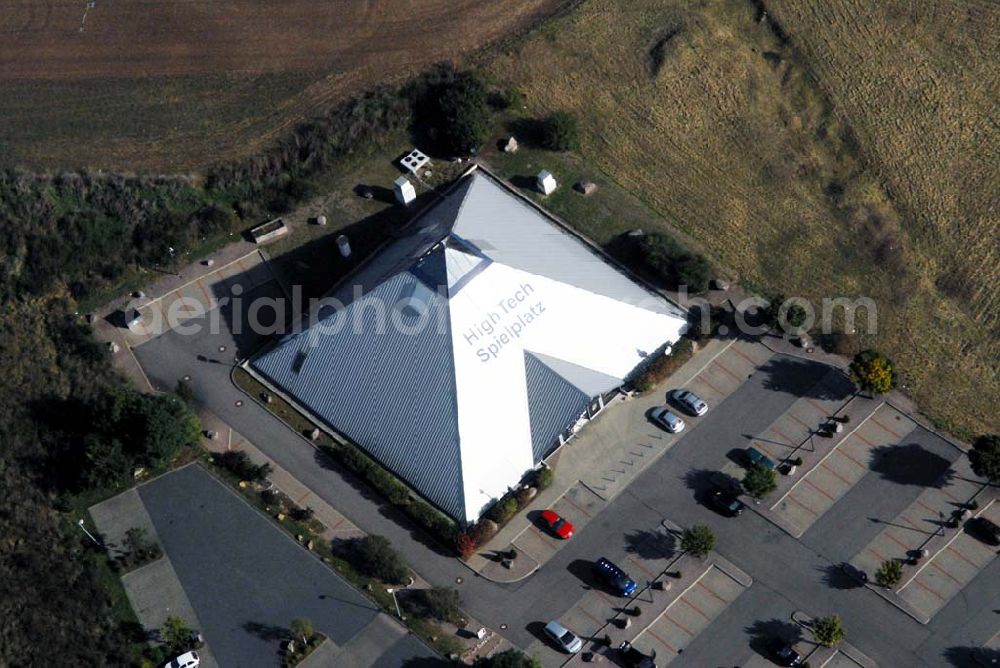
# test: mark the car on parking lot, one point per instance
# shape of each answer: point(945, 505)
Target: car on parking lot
point(784, 653)
point(633, 658)
point(691, 402)
point(556, 524)
point(666, 419)
point(562, 636)
point(187, 660)
point(614, 577)
point(984, 530)
point(757, 457)
point(726, 502)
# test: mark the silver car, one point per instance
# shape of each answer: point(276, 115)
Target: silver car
point(566, 639)
point(667, 420)
point(690, 401)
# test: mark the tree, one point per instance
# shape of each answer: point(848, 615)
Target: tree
point(176, 635)
point(760, 481)
point(873, 372)
point(560, 132)
point(985, 457)
point(106, 466)
point(376, 557)
point(544, 477)
point(441, 603)
point(511, 658)
point(463, 115)
point(698, 540)
point(301, 628)
point(465, 545)
point(889, 573)
point(672, 265)
point(828, 631)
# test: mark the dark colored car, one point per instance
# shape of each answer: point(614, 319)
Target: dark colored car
point(633, 658)
point(725, 502)
point(982, 529)
point(614, 577)
point(784, 653)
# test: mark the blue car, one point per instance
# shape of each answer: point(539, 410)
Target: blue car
point(614, 577)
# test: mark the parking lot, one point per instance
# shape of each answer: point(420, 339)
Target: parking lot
point(951, 569)
point(244, 580)
point(821, 486)
point(690, 614)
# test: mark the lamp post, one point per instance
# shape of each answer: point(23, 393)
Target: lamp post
point(394, 600)
point(89, 535)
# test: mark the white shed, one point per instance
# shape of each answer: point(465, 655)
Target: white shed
point(546, 182)
point(405, 193)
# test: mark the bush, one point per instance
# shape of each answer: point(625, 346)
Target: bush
point(238, 463)
point(506, 98)
point(698, 540)
point(375, 556)
point(465, 545)
point(176, 635)
point(760, 481)
point(671, 265)
point(873, 372)
point(483, 531)
point(504, 509)
point(889, 573)
point(510, 658)
point(301, 629)
point(302, 514)
point(560, 132)
point(544, 477)
point(452, 108)
point(662, 366)
point(441, 603)
point(985, 457)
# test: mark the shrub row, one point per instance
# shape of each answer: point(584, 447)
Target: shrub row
point(664, 365)
point(238, 463)
point(436, 522)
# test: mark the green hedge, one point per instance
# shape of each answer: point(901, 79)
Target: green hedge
point(398, 494)
point(664, 365)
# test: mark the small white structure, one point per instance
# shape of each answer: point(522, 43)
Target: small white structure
point(344, 246)
point(405, 192)
point(510, 146)
point(133, 318)
point(414, 160)
point(546, 182)
point(321, 220)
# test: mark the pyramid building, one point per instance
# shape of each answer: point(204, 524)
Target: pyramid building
point(472, 346)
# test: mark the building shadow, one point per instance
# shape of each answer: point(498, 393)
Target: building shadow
point(911, 464)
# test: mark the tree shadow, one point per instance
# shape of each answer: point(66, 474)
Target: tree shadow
point(524, 182)
point(583, 570)
point(911, 464)
point(704, 481)
point(836, 576)
point(763, 633)
point(806, 379)
point(267, 632)
point(527, 131)
point(972, 657)
point(651, 544)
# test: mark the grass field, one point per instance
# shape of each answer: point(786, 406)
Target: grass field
point(823, 148)
point(166, 86)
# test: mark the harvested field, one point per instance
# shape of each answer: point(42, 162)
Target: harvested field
point(161, 85)
point(821, 148)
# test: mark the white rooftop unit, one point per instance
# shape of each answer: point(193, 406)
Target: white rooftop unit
point(405, 193)
point(546, 182)
point(414, 160)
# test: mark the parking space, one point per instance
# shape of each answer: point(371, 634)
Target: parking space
point(577, 506)
point(727, 371)
point(948, 571)
point(917, 526)
point(818, 489)
point(689, 615)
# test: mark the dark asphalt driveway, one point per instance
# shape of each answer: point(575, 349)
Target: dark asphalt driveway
point(246, 579)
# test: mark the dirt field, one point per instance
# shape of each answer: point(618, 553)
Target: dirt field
point(848, 151)
point(166, 85)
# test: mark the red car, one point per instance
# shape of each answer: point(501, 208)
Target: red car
point(556, 524)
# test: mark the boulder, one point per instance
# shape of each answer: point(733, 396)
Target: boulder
point(510, 146)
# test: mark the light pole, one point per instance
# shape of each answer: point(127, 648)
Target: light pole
point(394, 600)
point(89, 535)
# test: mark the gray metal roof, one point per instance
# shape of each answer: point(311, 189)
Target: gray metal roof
point(393, 390)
